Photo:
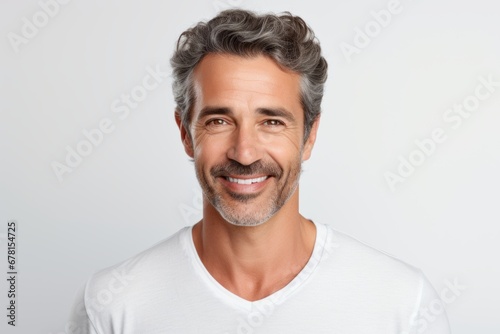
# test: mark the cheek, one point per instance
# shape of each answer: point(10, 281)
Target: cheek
point(283, 144)
point(286, 156)
point(209, 149)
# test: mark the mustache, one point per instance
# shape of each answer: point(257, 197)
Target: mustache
point(258, 167)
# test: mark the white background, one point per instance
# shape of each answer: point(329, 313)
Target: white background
point(138, 187)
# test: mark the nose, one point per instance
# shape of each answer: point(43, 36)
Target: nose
point(245, 147)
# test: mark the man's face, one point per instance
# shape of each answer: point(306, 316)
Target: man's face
point(247, 136)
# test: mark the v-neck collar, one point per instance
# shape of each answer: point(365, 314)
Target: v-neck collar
point(275, 298)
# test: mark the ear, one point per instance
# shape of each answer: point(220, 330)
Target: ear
point(185, 136)
point(309, 144)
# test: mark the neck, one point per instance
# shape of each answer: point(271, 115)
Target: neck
point(255, 261)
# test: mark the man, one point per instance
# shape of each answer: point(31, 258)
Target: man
point(248, 90)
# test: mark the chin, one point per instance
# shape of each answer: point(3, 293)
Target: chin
point(245, 220)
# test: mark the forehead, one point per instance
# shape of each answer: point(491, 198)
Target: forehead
point(223, 80)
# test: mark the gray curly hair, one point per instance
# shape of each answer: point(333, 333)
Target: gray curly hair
point(286, 39)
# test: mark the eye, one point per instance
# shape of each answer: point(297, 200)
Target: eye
point(216, 122)
point(273, 122)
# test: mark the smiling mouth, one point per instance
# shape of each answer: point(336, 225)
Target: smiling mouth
point(246, 181)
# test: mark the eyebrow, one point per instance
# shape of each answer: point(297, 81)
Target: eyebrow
point(272, 112)
point(208, 111)
point(277, 112)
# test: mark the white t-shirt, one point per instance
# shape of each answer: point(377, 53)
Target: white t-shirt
point(346, 287)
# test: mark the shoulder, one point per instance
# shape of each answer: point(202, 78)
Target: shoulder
point(349, 259)
point(161, 252)
point(148, 271)
point(345, 247)
point(354, 278)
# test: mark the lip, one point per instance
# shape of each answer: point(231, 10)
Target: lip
point(244, 188)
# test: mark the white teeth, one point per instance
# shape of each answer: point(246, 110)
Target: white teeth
point(247, 181)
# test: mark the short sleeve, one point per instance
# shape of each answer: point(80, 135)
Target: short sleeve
point(79, 321)
point(430, 312)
